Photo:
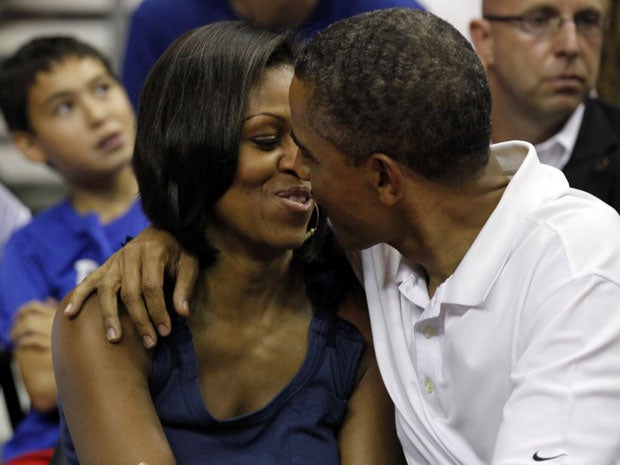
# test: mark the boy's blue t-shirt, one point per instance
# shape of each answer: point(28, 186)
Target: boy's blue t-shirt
point(47, 258)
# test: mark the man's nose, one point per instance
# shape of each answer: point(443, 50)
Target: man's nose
point(301, 166)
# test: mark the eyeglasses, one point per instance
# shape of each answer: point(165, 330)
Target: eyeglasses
point(589, 24)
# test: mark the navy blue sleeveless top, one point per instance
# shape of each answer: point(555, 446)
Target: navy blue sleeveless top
point(299, 426)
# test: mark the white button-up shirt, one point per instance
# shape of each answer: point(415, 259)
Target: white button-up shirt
point(516, 357)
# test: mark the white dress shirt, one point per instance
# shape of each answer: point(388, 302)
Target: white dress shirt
point(557, 150)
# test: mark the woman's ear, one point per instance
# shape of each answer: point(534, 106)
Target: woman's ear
point(28, 145)
point(386, 177)
point(482, 38)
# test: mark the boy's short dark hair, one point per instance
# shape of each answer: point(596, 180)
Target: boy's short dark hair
point(19, 72)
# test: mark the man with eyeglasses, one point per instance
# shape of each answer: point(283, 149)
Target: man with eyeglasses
point(543, 59)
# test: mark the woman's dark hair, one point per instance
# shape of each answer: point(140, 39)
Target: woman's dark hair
point(189, 123)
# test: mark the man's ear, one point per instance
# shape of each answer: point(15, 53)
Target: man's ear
point(482, 38)
point(28, 145)
point(386, 177)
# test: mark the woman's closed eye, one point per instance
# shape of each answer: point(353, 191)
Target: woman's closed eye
point(266, 143)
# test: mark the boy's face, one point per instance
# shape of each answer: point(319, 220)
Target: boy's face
point(82, 122)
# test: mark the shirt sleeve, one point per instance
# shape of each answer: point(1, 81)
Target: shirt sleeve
point(22, 279)
point(565, 403)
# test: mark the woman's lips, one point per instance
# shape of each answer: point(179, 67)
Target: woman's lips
point(297, 197)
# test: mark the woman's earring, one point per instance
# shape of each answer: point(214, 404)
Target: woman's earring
point(312, 231)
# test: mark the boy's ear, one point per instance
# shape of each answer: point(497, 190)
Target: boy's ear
point(386, 178)
point(27, 144)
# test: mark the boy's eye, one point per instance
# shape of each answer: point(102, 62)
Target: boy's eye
point(266, 142)
point(102, 89)
point(62, 108)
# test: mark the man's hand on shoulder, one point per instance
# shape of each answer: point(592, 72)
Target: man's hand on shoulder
point(137, 272)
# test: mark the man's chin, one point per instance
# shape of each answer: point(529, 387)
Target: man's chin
point(561, 106)
point(567, 99)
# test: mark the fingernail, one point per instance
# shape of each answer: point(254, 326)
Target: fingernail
point(162, 329)
point(148, 341)
point(111, 333)
point(68, 308)
point(186, 305)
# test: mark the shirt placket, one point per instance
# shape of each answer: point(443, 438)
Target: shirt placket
point(425, 345)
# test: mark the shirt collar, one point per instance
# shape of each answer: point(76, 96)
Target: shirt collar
point(556, 151)
point(528, 188)
point(530, 185)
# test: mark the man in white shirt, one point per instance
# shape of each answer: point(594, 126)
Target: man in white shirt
point(513, 357)
point(493, 288)
point(543, 59)
point(493, 294)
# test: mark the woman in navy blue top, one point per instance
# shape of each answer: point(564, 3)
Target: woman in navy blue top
point(263, 371)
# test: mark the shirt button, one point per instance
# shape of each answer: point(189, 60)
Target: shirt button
point(429, 331)
point(428, 385)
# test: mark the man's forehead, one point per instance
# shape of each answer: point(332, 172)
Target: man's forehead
point(298, 100)
point(492, 6)
point(298, 87)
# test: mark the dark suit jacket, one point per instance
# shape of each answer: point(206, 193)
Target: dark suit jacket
point(594, 165)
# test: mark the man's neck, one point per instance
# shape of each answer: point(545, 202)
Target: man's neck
point(448, 220)
point(512, 125)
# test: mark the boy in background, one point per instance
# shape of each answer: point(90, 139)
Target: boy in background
point(64, 107)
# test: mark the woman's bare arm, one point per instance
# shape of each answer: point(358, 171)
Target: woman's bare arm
point(104, 392)
point(368, 434)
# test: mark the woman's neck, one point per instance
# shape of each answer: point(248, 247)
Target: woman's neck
point(243, 289)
